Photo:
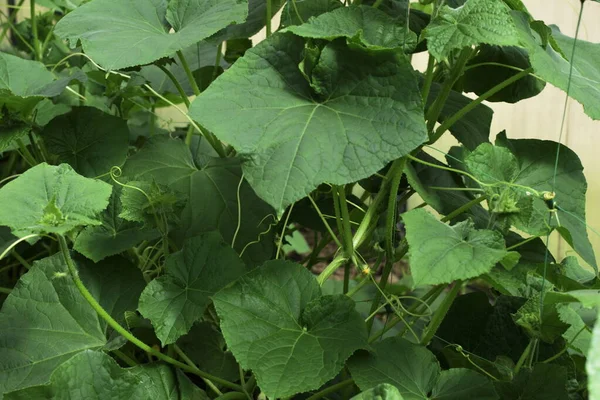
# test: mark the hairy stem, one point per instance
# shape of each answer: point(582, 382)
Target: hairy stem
point(188, 72)
point(124, 332)
point(178, 86)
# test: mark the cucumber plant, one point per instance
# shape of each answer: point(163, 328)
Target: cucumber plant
point(261, 248)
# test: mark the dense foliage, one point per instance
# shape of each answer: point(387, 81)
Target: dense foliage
point(249, 253)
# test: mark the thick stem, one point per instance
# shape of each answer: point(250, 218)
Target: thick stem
point(428, 79)
point(178, 86)
point(438, 105)
point(440, 314)
point(188, 72)
point(34, 31)
point(469, 107)
point(269, 17)
point(124, 332)
point(464, 208)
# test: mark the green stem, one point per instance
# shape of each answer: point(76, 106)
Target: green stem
point(232, 396)
point(34, 31)
point(189, 362)
point(428, 79)
point(124, 332)
point(438, 105)
point(269, 17)
point(125, 358)
point(178, 86)
point(188, 72)
point(324, 220)
point(377, 3)
point(440, 314)
point(524, 356)
point(21, 260)
point(331, 389)
point(5, 290)
point(390, 233)
point(469, 107)
point(26, 153)
point(366, 225)
point(521, 243)
point(346, 230)
point(464, 208)
point(217, 61)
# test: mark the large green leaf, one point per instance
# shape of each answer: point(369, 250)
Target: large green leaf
point(212, 187)
point(300, 11)
point(35, 340)
point(553, 68)
point(476, 22)
point(114, 235)
point(118, 34)
point(415, 371)
point(592, 366)
point(363, 25)
point(277, 323)
point(536, 163)
point(177, 299)
point(49, 199)
point(367, 112)
point(94, 375)
point(89, 140)
point(23, 83)
point(440, 253)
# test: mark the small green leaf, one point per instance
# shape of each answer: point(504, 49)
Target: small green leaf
point(385, 391)
point(138, 32)
point(544, 382)
point(277, 323)
point(205, 345)
point(363, 25)
point(177, 299)
point(415, 371)
point(114, 235)
point(296, 139)
point(89, 140)
point(476, 22)
point(440, 253)
point(23, 83)
point(49, 199)
point(35, 340)
point(144, 202)
point(300, 11)
point(99, 377)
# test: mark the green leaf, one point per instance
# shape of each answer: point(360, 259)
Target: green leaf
point(114, 235)
point(177, 299)
point(300, 11)
point(296, 139)
point(212, 189)
point(148, 203)
point(143, 25)
point(205, 346)
point(277, 323)
point(384, 391)
point(49, 199)
point(476, 22)
point(23, 83)
point(584, 85)
point(35, 340)
point(578, 335)
point(592, 366)
point(440, 253)
point(89, 140)
point(362, 25)
point(480, 78)
point(415, 371)
point(95, 375)
point(544, 382)
point(536, 159)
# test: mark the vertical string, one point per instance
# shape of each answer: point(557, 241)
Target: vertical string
point(560, 136)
